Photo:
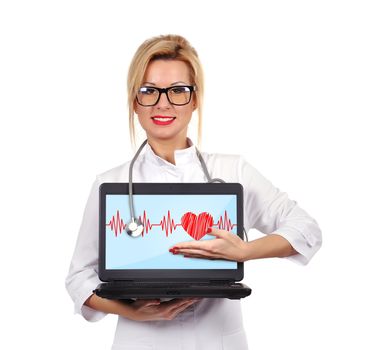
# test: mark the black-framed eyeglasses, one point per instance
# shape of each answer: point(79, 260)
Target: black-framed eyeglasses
point(178, 95)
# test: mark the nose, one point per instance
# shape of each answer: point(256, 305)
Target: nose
point(163, 101)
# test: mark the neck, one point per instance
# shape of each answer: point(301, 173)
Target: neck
point(166, 148)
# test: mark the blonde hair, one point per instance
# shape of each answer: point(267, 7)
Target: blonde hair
point(169, 47)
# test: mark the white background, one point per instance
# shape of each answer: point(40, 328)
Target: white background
point(288, 85)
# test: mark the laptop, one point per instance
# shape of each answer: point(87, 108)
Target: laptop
point(142, 267)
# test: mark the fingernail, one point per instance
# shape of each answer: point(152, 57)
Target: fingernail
point(209, 230)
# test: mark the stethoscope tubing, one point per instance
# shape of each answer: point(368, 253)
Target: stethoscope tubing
point(134, 223)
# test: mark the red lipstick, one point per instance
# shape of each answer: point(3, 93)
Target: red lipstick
point(162, 120)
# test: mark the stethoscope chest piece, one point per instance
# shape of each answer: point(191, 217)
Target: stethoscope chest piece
point(135, 228)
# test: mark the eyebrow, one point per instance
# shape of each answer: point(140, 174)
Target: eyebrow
point(176, 83)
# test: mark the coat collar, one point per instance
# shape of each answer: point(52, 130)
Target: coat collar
point(182, 156)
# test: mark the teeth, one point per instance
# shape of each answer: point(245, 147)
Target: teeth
point(163, 119)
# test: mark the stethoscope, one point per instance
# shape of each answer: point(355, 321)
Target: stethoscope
point(135, 227)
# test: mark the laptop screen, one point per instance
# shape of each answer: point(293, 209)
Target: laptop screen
point(168, 219)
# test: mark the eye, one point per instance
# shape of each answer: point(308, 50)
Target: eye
point(147, 91)
point(179, 90)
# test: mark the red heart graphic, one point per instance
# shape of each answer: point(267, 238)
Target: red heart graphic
point(196, 226)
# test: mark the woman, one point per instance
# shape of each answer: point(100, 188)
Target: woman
point(165, 86)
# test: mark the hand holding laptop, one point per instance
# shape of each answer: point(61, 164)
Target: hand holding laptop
point(226, 246)
point(155, 310)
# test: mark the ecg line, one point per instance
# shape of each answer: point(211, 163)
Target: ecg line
point(225, 223)
point(116, 224)
point(166, 224)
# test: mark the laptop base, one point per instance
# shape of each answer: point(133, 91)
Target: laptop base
point(144, 290)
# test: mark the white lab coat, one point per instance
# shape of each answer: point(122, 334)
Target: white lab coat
point(210, 324)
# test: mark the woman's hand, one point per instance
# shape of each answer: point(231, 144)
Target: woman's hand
point(226, 246)
point(152, 310)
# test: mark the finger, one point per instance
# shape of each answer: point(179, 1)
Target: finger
point(191, 244)
point(148, 302)
point(176, 302)
point(180, 304)
point(211, 257)
point(200, 257)
point(204, 253)
point(174, 312)
point(217, 233)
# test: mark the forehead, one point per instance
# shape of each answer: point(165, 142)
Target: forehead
point(166, 72)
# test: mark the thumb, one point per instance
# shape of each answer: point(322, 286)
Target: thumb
point(215, 232)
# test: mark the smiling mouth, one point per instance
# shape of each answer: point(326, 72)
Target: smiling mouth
point(158, 120)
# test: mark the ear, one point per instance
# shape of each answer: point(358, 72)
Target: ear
point(194, 103)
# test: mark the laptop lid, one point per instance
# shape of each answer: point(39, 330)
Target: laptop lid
point(171, 213)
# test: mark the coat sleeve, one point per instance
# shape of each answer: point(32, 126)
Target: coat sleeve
point(82, 277)
point(269, 210)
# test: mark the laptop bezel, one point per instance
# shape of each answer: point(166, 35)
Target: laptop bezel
point(107, 275)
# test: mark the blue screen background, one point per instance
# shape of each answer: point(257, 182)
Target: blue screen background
point(151, 251)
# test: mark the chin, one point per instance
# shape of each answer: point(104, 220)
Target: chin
point(165, 136)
